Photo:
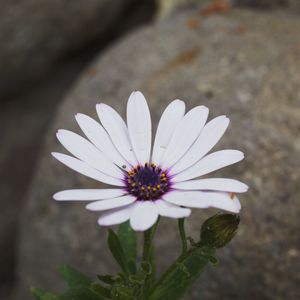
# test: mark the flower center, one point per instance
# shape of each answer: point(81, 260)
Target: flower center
point(147, 182)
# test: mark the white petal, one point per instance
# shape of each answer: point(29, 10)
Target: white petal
point(83, 168)
point(224, 201)
point(166, 209)
point(171, 116)
point(208, 138)
point(144, 215)
point(116, 216)
point(87, 152)
point(199, 199)
point(117, 130)
point(214, 184)
point(188, 198)
point(184, 135)
point(210, 163)
point(111, 203)
point(139, 126)
point(88, 194)
point(100, 138)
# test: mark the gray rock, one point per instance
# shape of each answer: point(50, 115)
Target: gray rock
point(166, 7)
point(251, 75)
point(292, 5)
point(23, 122)
point(262, 3)
point(37, 35)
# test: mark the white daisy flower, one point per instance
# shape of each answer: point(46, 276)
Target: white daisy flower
point(150, 184)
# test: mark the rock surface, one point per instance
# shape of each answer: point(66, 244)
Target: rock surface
point(37, 35)
point(244, 69)
point(24, 121)
point(167, 7)
point(290, 4)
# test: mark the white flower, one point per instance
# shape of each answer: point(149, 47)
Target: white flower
point(150, 184)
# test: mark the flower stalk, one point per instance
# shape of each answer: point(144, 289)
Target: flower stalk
point(148, 239)
point(183, 237)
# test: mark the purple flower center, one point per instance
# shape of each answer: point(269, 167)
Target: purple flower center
point(147, 182)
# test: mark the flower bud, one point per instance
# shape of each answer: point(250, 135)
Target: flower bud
point(219, 230)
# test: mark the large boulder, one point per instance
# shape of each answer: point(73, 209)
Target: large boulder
point(36, 35)
point(246, 69)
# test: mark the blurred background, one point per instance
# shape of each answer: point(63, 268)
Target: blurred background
point(240, 58)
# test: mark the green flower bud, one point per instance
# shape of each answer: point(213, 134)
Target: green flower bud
point(219, 230)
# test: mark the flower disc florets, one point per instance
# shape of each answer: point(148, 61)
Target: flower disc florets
point(148, 182)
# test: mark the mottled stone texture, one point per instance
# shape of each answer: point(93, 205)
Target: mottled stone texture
point(244, 65)
point(290, 4)
point(168, 6)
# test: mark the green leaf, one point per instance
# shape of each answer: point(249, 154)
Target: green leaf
point(128, 240)
point(182, 274)
point(99, 289)
point(81, 293)
point(122, 293)
point(41, 295)
point(108, 279)
point(73, 277)
point(117, 251)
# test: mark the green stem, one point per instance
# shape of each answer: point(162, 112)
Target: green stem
point(172, 267)
point(148, 238)
point(184, 251)
point(146, 260)
point(179, 276)
point(182, 236)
